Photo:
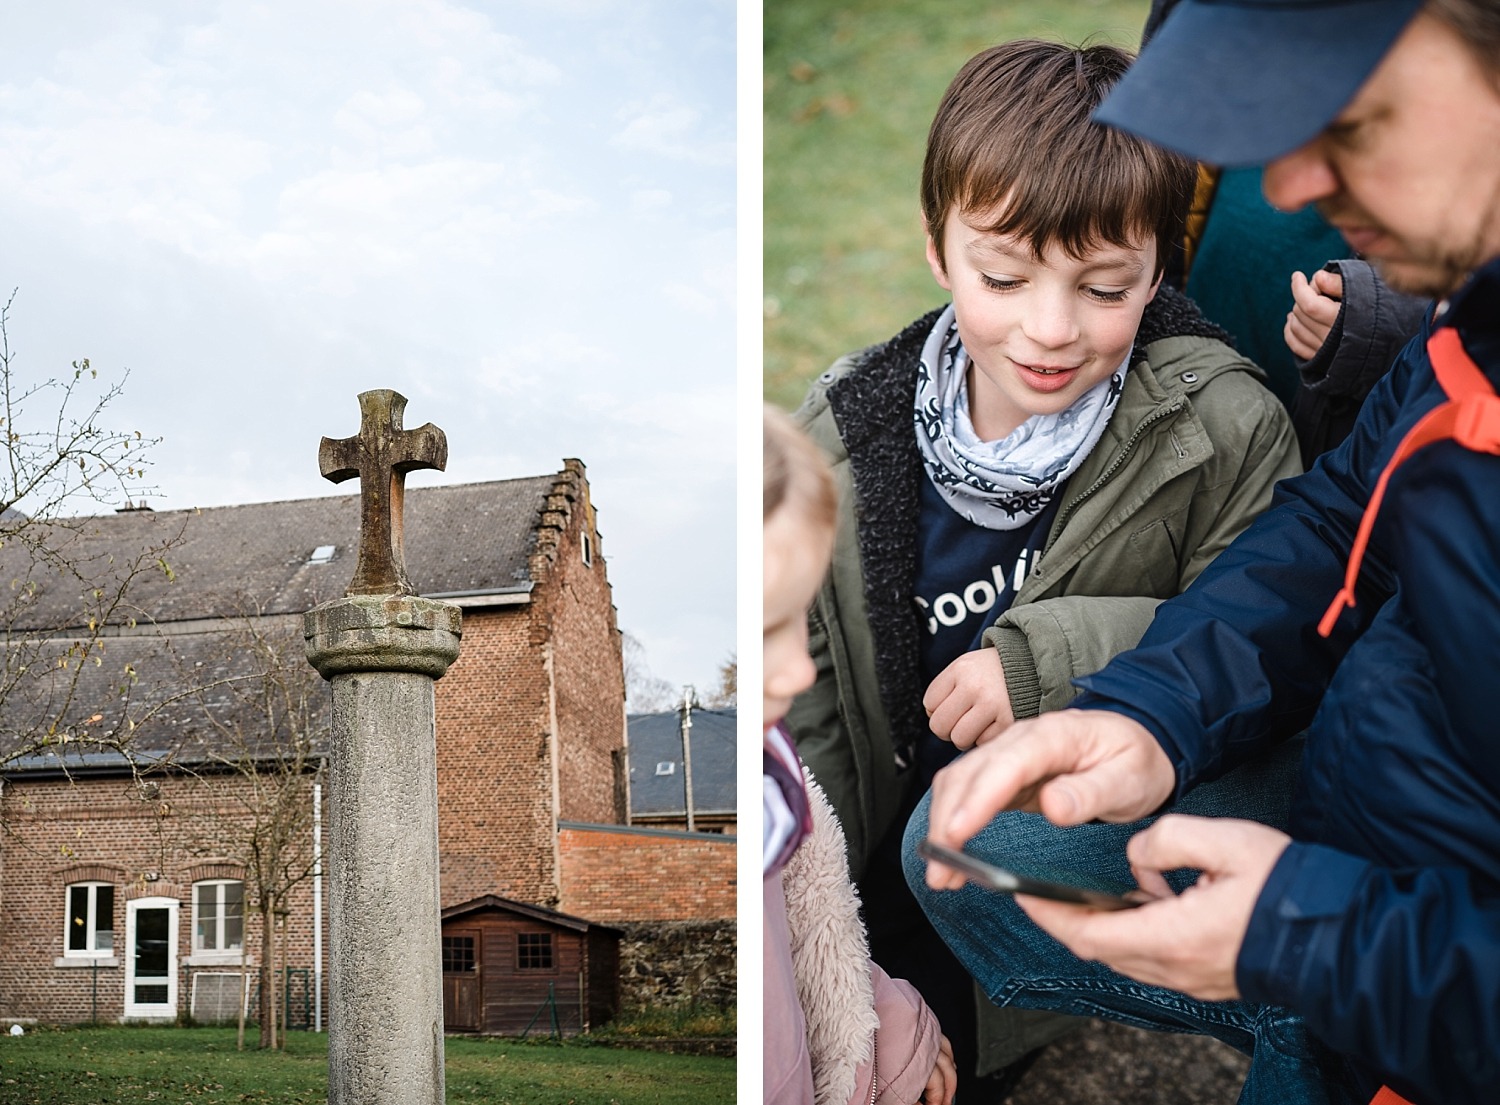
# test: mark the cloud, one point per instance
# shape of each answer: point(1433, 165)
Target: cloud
point(672, 129)
point(648, 201)
point(708, 262)
point(144, 126)
point(514, 371)
point(520, 215)
point(690, 299)
point(393, 106)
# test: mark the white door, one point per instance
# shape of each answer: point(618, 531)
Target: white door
point(151, 958)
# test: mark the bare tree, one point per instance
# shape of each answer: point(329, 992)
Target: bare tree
point(62, 593)
point(723, 696)
point(84, 672)
point(267, 715)
point(644, 692)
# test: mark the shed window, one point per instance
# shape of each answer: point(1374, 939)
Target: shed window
point(458, 954)
point(534, 951)
point(91, 924)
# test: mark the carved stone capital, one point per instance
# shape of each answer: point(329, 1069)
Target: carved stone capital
point(368, 633)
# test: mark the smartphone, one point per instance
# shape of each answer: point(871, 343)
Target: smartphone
point(1008, 882)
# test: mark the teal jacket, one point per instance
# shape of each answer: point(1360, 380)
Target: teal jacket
point(1187, 461)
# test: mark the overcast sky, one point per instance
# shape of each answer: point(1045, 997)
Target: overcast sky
point(518, 214)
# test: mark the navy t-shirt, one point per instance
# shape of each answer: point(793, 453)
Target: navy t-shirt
point(967, 576)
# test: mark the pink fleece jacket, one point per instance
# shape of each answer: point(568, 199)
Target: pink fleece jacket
point(827, 1006)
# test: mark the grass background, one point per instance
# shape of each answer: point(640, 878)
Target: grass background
point(104, 1066)
point(850, 89)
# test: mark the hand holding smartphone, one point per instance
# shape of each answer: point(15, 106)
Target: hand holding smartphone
point(1008, 882)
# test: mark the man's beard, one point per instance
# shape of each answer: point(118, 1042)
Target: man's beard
point(1430, 271)
point(1427, 279)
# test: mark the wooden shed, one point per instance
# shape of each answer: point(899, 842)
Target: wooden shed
point(510, 968)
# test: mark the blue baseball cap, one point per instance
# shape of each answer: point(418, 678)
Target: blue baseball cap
point(1241, 82)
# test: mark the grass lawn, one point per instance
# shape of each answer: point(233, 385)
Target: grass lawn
point(850, 89)
point(105, 1066)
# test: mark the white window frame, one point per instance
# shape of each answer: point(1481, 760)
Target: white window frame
point(219, 948)
point(91, 949)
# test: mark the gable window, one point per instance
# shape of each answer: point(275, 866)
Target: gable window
point(534, 951)
point(218, 916)
point(91, 919)
point(587, 549)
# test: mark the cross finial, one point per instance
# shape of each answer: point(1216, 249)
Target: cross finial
point(380, 455)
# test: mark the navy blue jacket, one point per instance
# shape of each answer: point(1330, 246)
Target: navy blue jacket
point(1380, 924)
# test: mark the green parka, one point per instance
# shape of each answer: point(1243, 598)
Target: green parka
point(1188, 459)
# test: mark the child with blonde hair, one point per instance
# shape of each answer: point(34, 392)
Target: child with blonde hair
point(837, 1029)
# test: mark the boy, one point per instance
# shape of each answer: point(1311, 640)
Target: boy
point(1024, 474)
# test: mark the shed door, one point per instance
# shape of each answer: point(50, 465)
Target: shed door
point(461, 988)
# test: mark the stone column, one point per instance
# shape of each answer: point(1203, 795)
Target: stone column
point(383, 655)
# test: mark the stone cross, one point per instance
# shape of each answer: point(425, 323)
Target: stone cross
point(380, 455)
point(381, 647)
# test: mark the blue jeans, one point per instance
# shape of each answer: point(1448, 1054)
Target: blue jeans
point(1017, 964)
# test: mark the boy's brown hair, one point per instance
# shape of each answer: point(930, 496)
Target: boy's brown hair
point(1014, 144)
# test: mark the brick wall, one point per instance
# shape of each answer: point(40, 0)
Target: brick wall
point(531, 716)
point(494, 761)
point(615, 875)
point(587, 668)
point(106, 830)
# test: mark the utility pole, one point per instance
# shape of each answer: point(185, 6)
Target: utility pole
point(689, 700)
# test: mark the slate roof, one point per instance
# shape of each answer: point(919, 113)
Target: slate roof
point(654, 739)
point(183, 682)
point(461, 538)
point(189, 698)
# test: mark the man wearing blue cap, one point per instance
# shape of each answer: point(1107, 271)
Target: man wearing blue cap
point(1361, 953)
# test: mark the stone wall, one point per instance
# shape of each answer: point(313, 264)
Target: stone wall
point(678, 962)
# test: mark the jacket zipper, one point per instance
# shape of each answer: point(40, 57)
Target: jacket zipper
point(1166, 410)
point(874, 1066)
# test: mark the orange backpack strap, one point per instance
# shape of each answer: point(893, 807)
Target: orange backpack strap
point(1470, 416)
point(1388, 1096)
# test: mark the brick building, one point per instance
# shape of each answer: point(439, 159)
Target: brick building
point(127, 878)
